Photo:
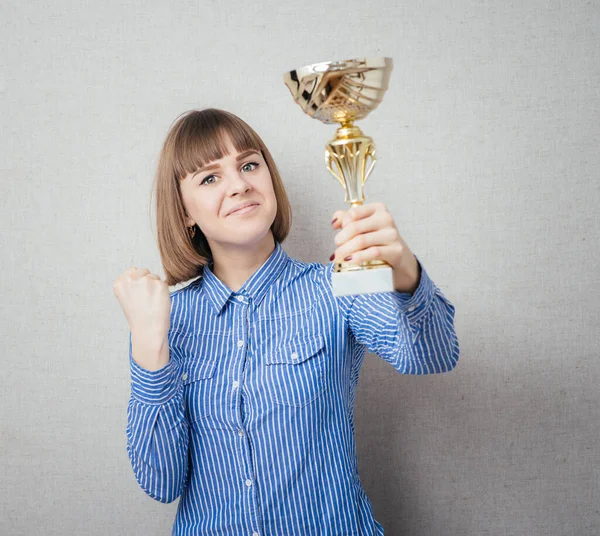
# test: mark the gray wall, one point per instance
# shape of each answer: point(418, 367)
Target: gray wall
point(489, 146)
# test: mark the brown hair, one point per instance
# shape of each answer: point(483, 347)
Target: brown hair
point(196, 138)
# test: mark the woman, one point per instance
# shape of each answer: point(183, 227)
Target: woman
point(243, 382)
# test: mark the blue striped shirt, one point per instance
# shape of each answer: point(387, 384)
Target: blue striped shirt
point(251, 423)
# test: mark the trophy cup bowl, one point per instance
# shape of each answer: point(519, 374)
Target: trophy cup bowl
point(344, 92)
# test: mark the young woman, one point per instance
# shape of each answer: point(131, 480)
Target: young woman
point(243, 382)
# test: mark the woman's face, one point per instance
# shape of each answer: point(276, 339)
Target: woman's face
point(211, 197)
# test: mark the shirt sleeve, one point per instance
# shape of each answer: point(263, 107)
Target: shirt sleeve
point(413, 332)
point(157, 430)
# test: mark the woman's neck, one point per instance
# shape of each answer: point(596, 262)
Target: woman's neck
point(234, 265)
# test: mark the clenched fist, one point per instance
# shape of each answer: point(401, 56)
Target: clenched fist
point(145, 300)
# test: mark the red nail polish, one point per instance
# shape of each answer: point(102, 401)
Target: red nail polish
point(333, 221)
point(348, 258)
point(332, 257)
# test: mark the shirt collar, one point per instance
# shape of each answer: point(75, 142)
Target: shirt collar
point(218, 293)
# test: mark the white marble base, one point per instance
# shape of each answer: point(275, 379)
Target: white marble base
point(362, 282)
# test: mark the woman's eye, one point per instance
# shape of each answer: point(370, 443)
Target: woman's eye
point(204, 181)
point(206, 178)
point(250, 164)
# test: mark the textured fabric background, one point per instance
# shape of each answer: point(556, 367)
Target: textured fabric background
point(489, 155)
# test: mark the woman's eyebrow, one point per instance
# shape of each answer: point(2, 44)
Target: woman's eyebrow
point(216, 166)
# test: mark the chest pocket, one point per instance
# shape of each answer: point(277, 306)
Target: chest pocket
point(196, 376)
point(295, 370)
point(198, 354)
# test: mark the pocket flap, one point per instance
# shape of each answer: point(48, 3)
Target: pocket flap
point(298, 350)
point(197, 369)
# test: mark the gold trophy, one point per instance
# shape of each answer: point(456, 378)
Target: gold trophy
point(344, 92)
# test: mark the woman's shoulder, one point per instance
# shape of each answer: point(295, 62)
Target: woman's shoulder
point(316, 271)
point(310, 275)
point(186, 286)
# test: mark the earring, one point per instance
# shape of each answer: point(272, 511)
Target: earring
point(192, 231)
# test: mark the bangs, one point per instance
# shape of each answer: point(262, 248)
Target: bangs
point(202, 138)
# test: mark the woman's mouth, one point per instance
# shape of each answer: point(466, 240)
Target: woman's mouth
point(244, 210)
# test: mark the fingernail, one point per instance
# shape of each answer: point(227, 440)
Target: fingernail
point(332, 257)
point(333, 221)
point(348, 258)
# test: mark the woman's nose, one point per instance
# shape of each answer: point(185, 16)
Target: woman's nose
point(238, 183)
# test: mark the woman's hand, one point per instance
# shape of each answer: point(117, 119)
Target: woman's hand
point(146, 302)
point(368, 232)
point(144, 298)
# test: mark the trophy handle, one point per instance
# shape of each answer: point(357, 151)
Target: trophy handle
point(370, 154)
point(334, 173)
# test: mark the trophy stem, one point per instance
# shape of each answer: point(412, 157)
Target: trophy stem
point(347, 157)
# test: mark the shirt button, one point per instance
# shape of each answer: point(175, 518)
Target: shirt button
point(411, 308)
point(239, 298)
point(240, 432)
point(184, 376)
point(294, 355)
point(235, 384)
point(255, 533)
point(248, 482)
point(240, 343)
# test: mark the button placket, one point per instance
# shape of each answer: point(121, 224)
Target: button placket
point(242, 345)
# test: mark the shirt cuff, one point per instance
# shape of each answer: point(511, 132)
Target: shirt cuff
point(416, 305)
point(153, 386)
